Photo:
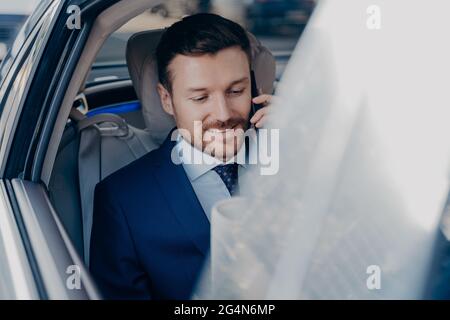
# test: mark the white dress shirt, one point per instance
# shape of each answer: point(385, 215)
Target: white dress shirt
point(207, 184)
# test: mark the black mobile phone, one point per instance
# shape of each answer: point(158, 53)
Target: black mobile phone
point(255, 106)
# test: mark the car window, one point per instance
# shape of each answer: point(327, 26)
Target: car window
point(13, 91)
point(17, 20)
point(12, 16)
point(110, 64)
point(277, 24)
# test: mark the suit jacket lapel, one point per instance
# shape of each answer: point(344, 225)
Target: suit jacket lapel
point(181, 198)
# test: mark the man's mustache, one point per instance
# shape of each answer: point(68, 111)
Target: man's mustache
point(222, 125)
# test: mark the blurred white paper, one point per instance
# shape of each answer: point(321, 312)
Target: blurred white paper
point(364, 119)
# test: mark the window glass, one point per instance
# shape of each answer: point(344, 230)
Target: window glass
point(277, 24)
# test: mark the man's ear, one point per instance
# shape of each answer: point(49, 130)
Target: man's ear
point(166, 99)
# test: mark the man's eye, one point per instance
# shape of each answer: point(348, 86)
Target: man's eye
point(199, 99)
point(236, 92)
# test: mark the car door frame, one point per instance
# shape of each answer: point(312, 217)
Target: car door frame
point(54, 263)
point(13, 233)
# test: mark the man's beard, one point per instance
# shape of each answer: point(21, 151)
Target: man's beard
point(225, 133)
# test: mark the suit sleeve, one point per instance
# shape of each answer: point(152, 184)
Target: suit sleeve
point(113, 261)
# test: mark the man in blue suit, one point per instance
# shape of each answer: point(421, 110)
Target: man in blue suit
point(150, 232)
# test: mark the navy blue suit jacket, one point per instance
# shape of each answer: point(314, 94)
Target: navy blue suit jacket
point(150, 235)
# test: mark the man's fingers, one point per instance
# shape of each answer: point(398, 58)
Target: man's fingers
point(258, 115)
point(263, 99)
point(259, 118)
point(261, 122)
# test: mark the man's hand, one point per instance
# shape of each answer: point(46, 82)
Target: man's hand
point(260, 116)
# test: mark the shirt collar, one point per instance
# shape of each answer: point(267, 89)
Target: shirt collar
point(196, 162)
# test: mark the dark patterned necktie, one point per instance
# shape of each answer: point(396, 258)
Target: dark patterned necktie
point(229, 175)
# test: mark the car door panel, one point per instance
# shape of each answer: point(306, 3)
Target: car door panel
point(60, 267)
point(16, 277)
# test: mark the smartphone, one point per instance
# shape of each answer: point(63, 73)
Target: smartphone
point(255, 106)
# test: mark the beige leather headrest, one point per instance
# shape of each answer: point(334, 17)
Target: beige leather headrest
point(143, 71)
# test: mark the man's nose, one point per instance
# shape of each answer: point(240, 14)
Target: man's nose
point(221, 111)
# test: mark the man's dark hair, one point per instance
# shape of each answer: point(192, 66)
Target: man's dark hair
point(203, 33)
